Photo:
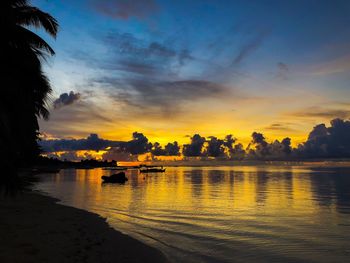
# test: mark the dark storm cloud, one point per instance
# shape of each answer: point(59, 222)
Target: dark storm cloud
point(92, 142)
point(327, 142)
point(318, 131)
point(139, 144)
point(322, 142)
point(125, 9)
point(66, 99)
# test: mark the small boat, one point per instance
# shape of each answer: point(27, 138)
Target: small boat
point(115, 178)
point(152, 169)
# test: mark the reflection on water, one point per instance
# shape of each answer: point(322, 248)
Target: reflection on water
point(223, 214)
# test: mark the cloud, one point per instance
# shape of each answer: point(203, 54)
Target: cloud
point(336, 65)
point(327, 142)
point(66, 99)
point(115, 150)
point(130, 54)
point(282, 71)
point(175, 91)
point(323, 142)
point(139, 144)
point(280, 126)
point(126, 9)
point(69, 155)
point(282, 66)
point(78, 119)
point(319, 130)
point(161, 97)
point(319, 112)
point(119, 154)
point(249, 47)
point(145, 76)
point(92, 142)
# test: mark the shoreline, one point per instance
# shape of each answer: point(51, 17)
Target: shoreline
point(35, 228)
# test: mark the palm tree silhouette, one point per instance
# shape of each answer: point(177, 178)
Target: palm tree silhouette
point(25, 88)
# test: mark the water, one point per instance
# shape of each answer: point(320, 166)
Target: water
point(222, 214)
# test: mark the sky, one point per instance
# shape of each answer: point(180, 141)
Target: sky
point(170, 69)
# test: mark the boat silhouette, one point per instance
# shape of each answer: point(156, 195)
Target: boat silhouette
point(151, 169)
point(115, 178)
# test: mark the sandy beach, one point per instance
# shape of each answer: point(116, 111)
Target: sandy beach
point(34, 228)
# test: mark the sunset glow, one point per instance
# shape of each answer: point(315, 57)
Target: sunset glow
point(212, 73)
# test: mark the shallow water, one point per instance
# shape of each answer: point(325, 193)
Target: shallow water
point(222, 214)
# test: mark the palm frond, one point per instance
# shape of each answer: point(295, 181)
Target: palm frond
point(42, 111)
point(23, 37)
point(42, 96)
point(14, 3)
point(18, 2)
point(32, 16)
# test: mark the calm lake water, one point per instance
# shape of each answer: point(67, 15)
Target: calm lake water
point(222, 214)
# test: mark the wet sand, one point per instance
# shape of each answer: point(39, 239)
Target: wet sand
point(34, 228)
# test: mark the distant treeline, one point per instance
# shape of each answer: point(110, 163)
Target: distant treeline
point(322, 142)
point(83, 164)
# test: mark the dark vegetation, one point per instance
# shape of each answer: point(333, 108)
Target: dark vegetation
point(323, 143)
point(43, 163)
point(25, 88)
